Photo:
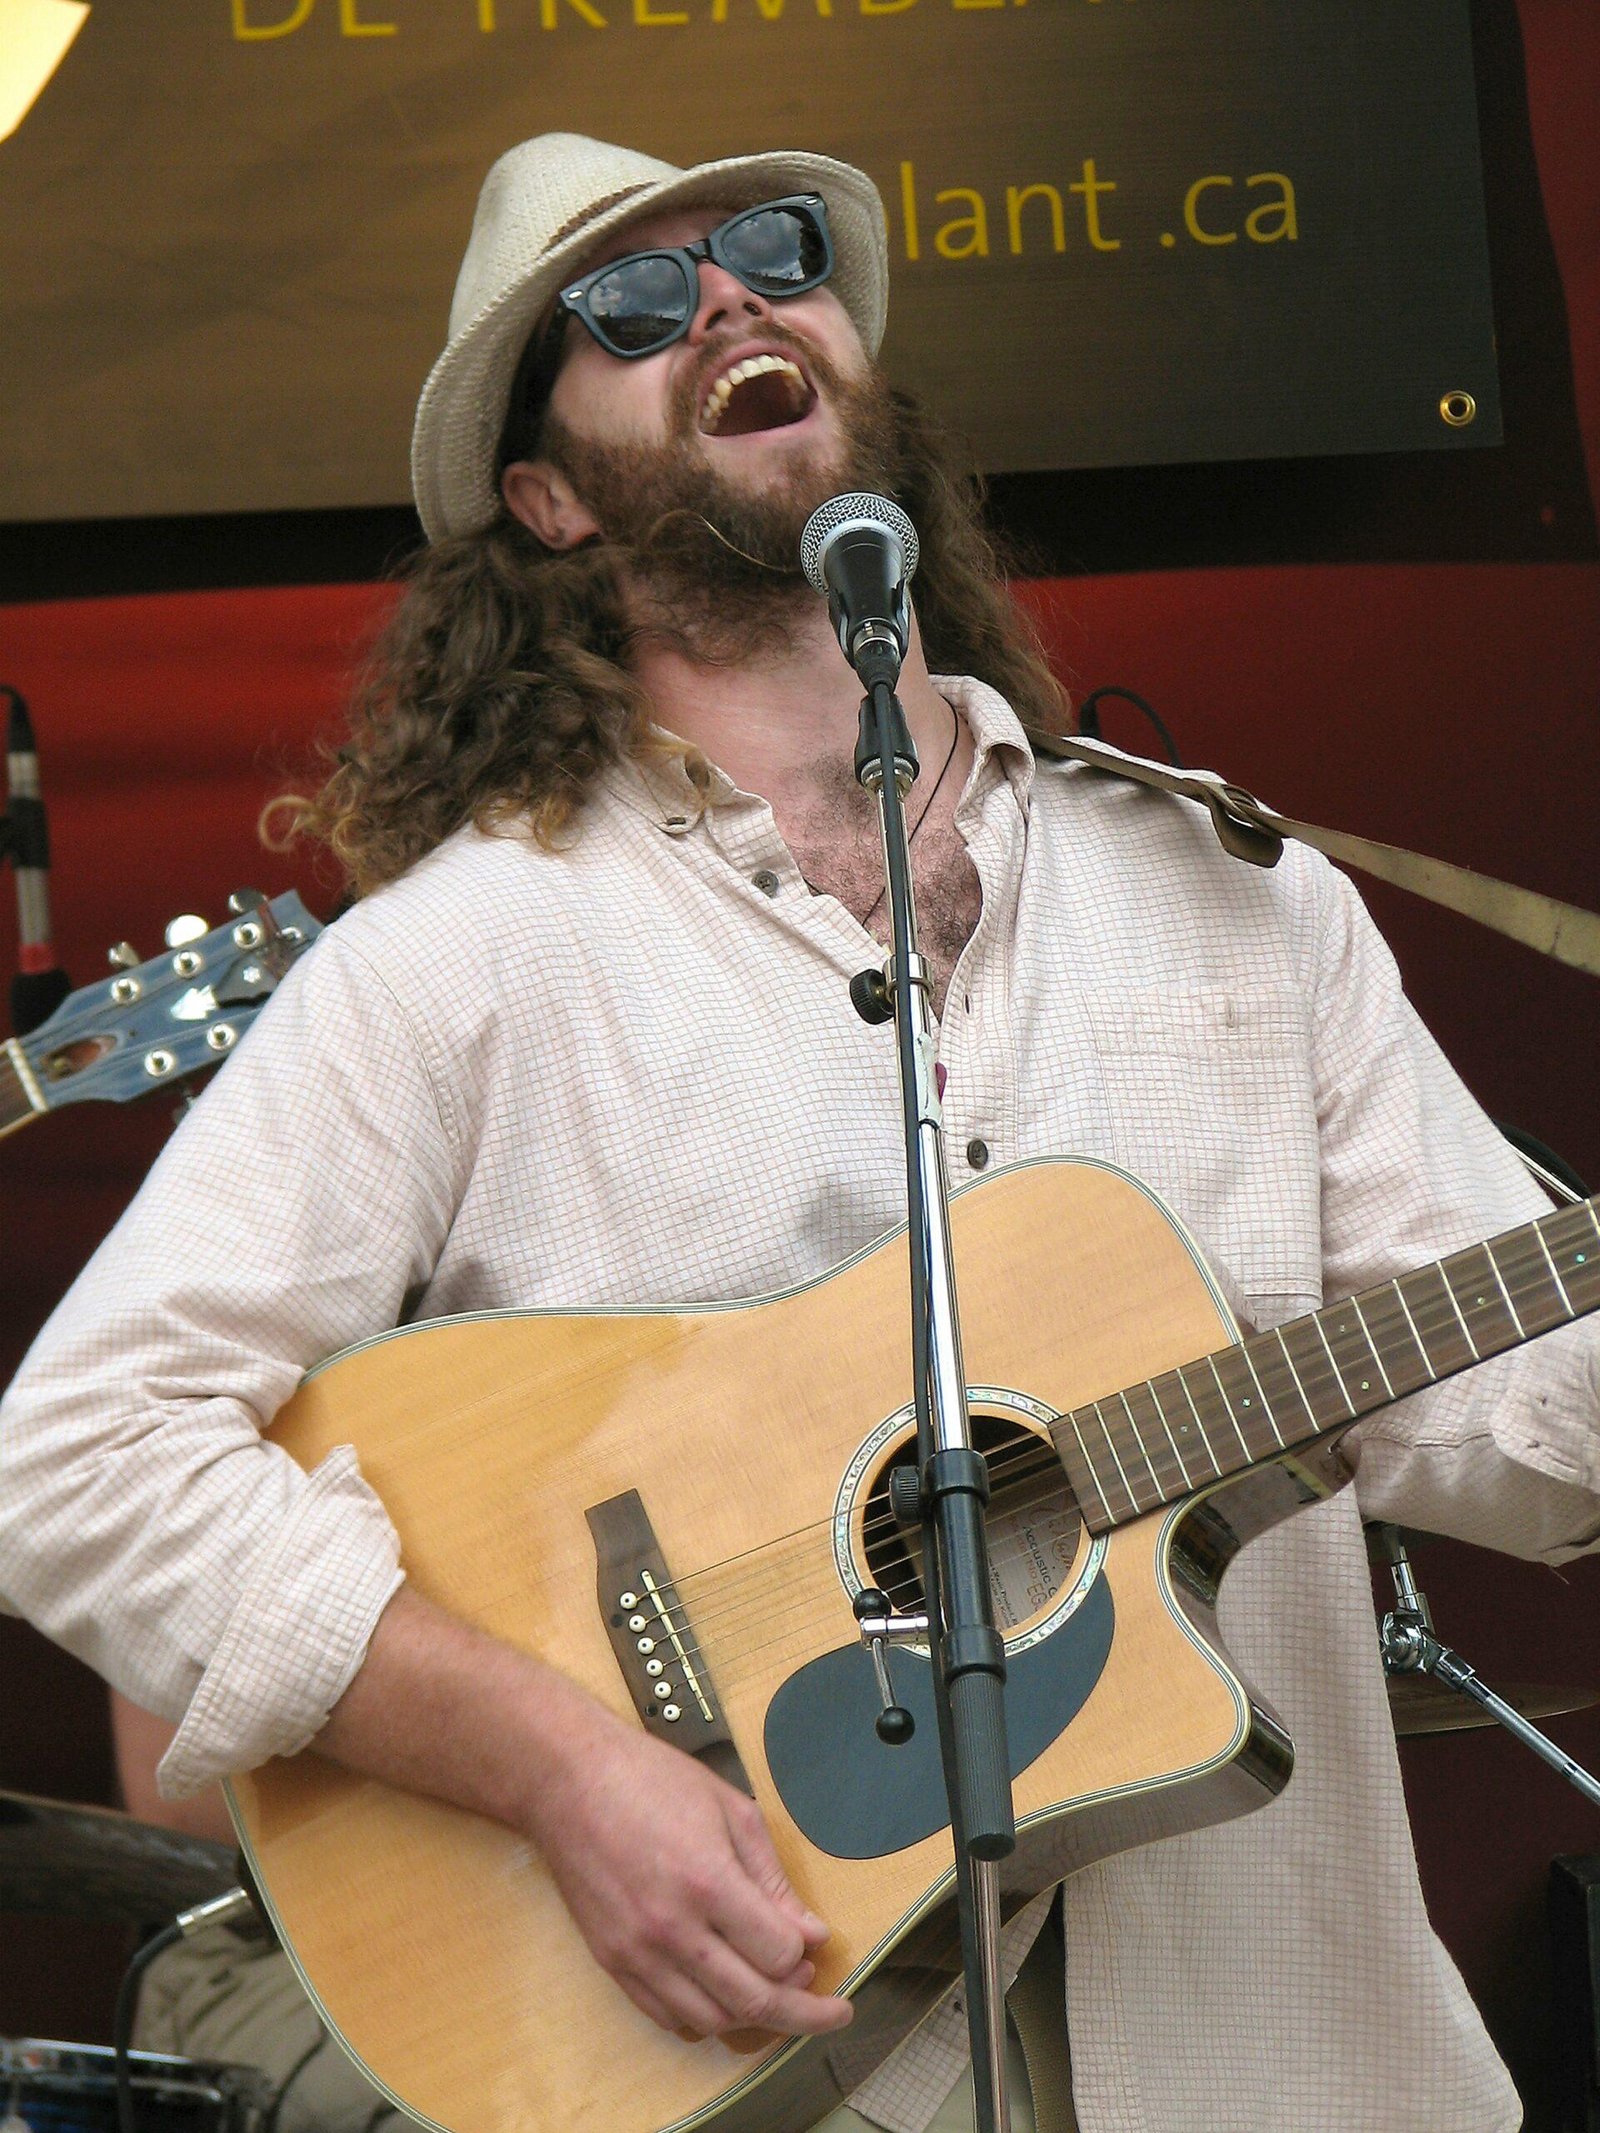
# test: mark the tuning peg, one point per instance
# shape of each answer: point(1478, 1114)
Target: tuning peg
point(187, 926)
point(124, 956)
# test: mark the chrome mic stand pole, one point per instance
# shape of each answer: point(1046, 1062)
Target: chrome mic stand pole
point(969, 1653)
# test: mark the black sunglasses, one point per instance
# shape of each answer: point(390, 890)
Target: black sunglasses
point(641, 303)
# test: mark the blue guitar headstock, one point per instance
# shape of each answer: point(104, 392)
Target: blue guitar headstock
point(157, 1022)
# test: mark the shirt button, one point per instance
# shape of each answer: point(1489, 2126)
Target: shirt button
point(978, 1154)
point(766, 881)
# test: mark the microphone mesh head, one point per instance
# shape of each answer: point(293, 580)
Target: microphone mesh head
point(840, 511)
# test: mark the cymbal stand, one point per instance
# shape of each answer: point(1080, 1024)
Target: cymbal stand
point(1407, 1642)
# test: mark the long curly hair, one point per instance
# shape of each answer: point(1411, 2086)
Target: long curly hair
point(499, 690)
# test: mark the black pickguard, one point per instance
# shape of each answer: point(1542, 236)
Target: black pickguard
point(854, 1797)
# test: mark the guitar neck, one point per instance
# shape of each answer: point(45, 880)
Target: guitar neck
point(1159, 1442)
point(21, 1096)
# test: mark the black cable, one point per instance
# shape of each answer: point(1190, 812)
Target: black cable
point(122, 2023)
point(269, 2124)
point(1089, 718)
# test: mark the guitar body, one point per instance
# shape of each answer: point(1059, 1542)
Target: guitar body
point(754, 1438)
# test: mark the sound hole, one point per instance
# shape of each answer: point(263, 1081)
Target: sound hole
point(1033, 1525)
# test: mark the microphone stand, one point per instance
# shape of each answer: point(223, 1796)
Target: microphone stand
point(969, 1666)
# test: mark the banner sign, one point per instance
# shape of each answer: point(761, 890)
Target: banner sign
point(1122, 232)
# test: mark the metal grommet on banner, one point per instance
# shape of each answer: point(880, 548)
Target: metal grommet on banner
point(1459, 409)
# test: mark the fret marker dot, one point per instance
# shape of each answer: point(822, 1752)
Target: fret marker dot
point(1245, 1402)
point(1366, 1385)
point(1582, 1256)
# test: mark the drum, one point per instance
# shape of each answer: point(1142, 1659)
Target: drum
point(71, 2088)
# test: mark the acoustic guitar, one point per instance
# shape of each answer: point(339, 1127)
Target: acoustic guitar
point(678, 1507)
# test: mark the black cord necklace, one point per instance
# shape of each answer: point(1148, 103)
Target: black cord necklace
point(926, 805)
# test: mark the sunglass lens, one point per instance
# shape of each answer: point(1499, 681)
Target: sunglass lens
point(777, 251)
point(641, 304)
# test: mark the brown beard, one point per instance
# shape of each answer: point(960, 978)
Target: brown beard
point(718, 565)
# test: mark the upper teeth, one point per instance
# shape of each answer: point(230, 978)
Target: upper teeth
point(721, 393)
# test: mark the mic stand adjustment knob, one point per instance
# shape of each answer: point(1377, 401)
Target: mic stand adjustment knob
point(880, 1626)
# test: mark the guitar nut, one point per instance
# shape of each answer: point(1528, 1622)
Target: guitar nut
point(249, 935)
point(222, 1036)
point(186, 963)
point(125, 991)
point(158, 1063)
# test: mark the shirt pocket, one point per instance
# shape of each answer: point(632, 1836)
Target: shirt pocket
point(1210, 1100)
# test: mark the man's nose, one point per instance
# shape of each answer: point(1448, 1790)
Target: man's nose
point(724, 301)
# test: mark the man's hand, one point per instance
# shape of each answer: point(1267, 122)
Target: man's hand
point(669, 1874)
point(672, 1879)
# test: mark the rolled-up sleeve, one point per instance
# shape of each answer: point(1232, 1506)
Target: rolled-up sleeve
point(145, 1522)
point(1508, 1454)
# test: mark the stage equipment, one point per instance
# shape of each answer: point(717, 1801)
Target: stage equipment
point(40, 984)
point(1420, 1705)
point(860, 551)
point(1408, 1644)
point(47, 2087)
point(91, 1862)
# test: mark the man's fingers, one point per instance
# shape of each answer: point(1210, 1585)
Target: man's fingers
point(756, 1853)
point(749, 2000)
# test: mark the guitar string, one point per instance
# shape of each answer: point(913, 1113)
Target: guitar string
point(693, 1640)
point(1434, 1319)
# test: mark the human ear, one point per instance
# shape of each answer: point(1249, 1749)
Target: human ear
point(541, 496)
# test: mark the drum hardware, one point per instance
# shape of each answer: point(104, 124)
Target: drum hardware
point(1409, 1646)
point(93, 1862)
point(50, 2087)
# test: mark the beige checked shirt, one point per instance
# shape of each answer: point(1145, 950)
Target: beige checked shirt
point(630, 1072)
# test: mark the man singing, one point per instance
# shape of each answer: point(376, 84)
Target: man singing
point(585, 1041)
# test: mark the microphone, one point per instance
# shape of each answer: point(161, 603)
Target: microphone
point(40, 984)
point(861, 551)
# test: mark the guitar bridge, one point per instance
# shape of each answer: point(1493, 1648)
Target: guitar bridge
point(662, 1664)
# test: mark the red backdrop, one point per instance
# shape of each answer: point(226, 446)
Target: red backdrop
point(1452, 708)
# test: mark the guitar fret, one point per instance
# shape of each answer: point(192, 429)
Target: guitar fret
point(1516, 1316)
point(1255, 1379)
point(1096, 1487)
point(1534, 1289)
point(1292, 1418)
point(1333, 1365)
point(1450, 1296)
point(1400, 1297)
point(1228, 1404)
point(1493, 1324)
point(1167, 1489)
point(1121, 1470)
point(1299, 1386)
point(1372, 1344)
point(1182, 1376)
point(1554, 1273)
point(1161, 1410)
point(1144, 1450)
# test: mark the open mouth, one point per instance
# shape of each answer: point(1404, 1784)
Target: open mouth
point(764, 392)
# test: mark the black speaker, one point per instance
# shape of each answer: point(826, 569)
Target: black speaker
point(1575, 1951)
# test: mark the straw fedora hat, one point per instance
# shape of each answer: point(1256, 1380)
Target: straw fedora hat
point(544, 207)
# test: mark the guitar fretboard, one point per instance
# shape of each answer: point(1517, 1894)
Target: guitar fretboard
point(1160, 1441)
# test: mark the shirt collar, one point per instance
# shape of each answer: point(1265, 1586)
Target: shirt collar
point(664, 790)
point(996, 732)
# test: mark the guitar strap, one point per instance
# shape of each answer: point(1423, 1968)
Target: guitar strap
point(1038, 2002)
point(1251, 830)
